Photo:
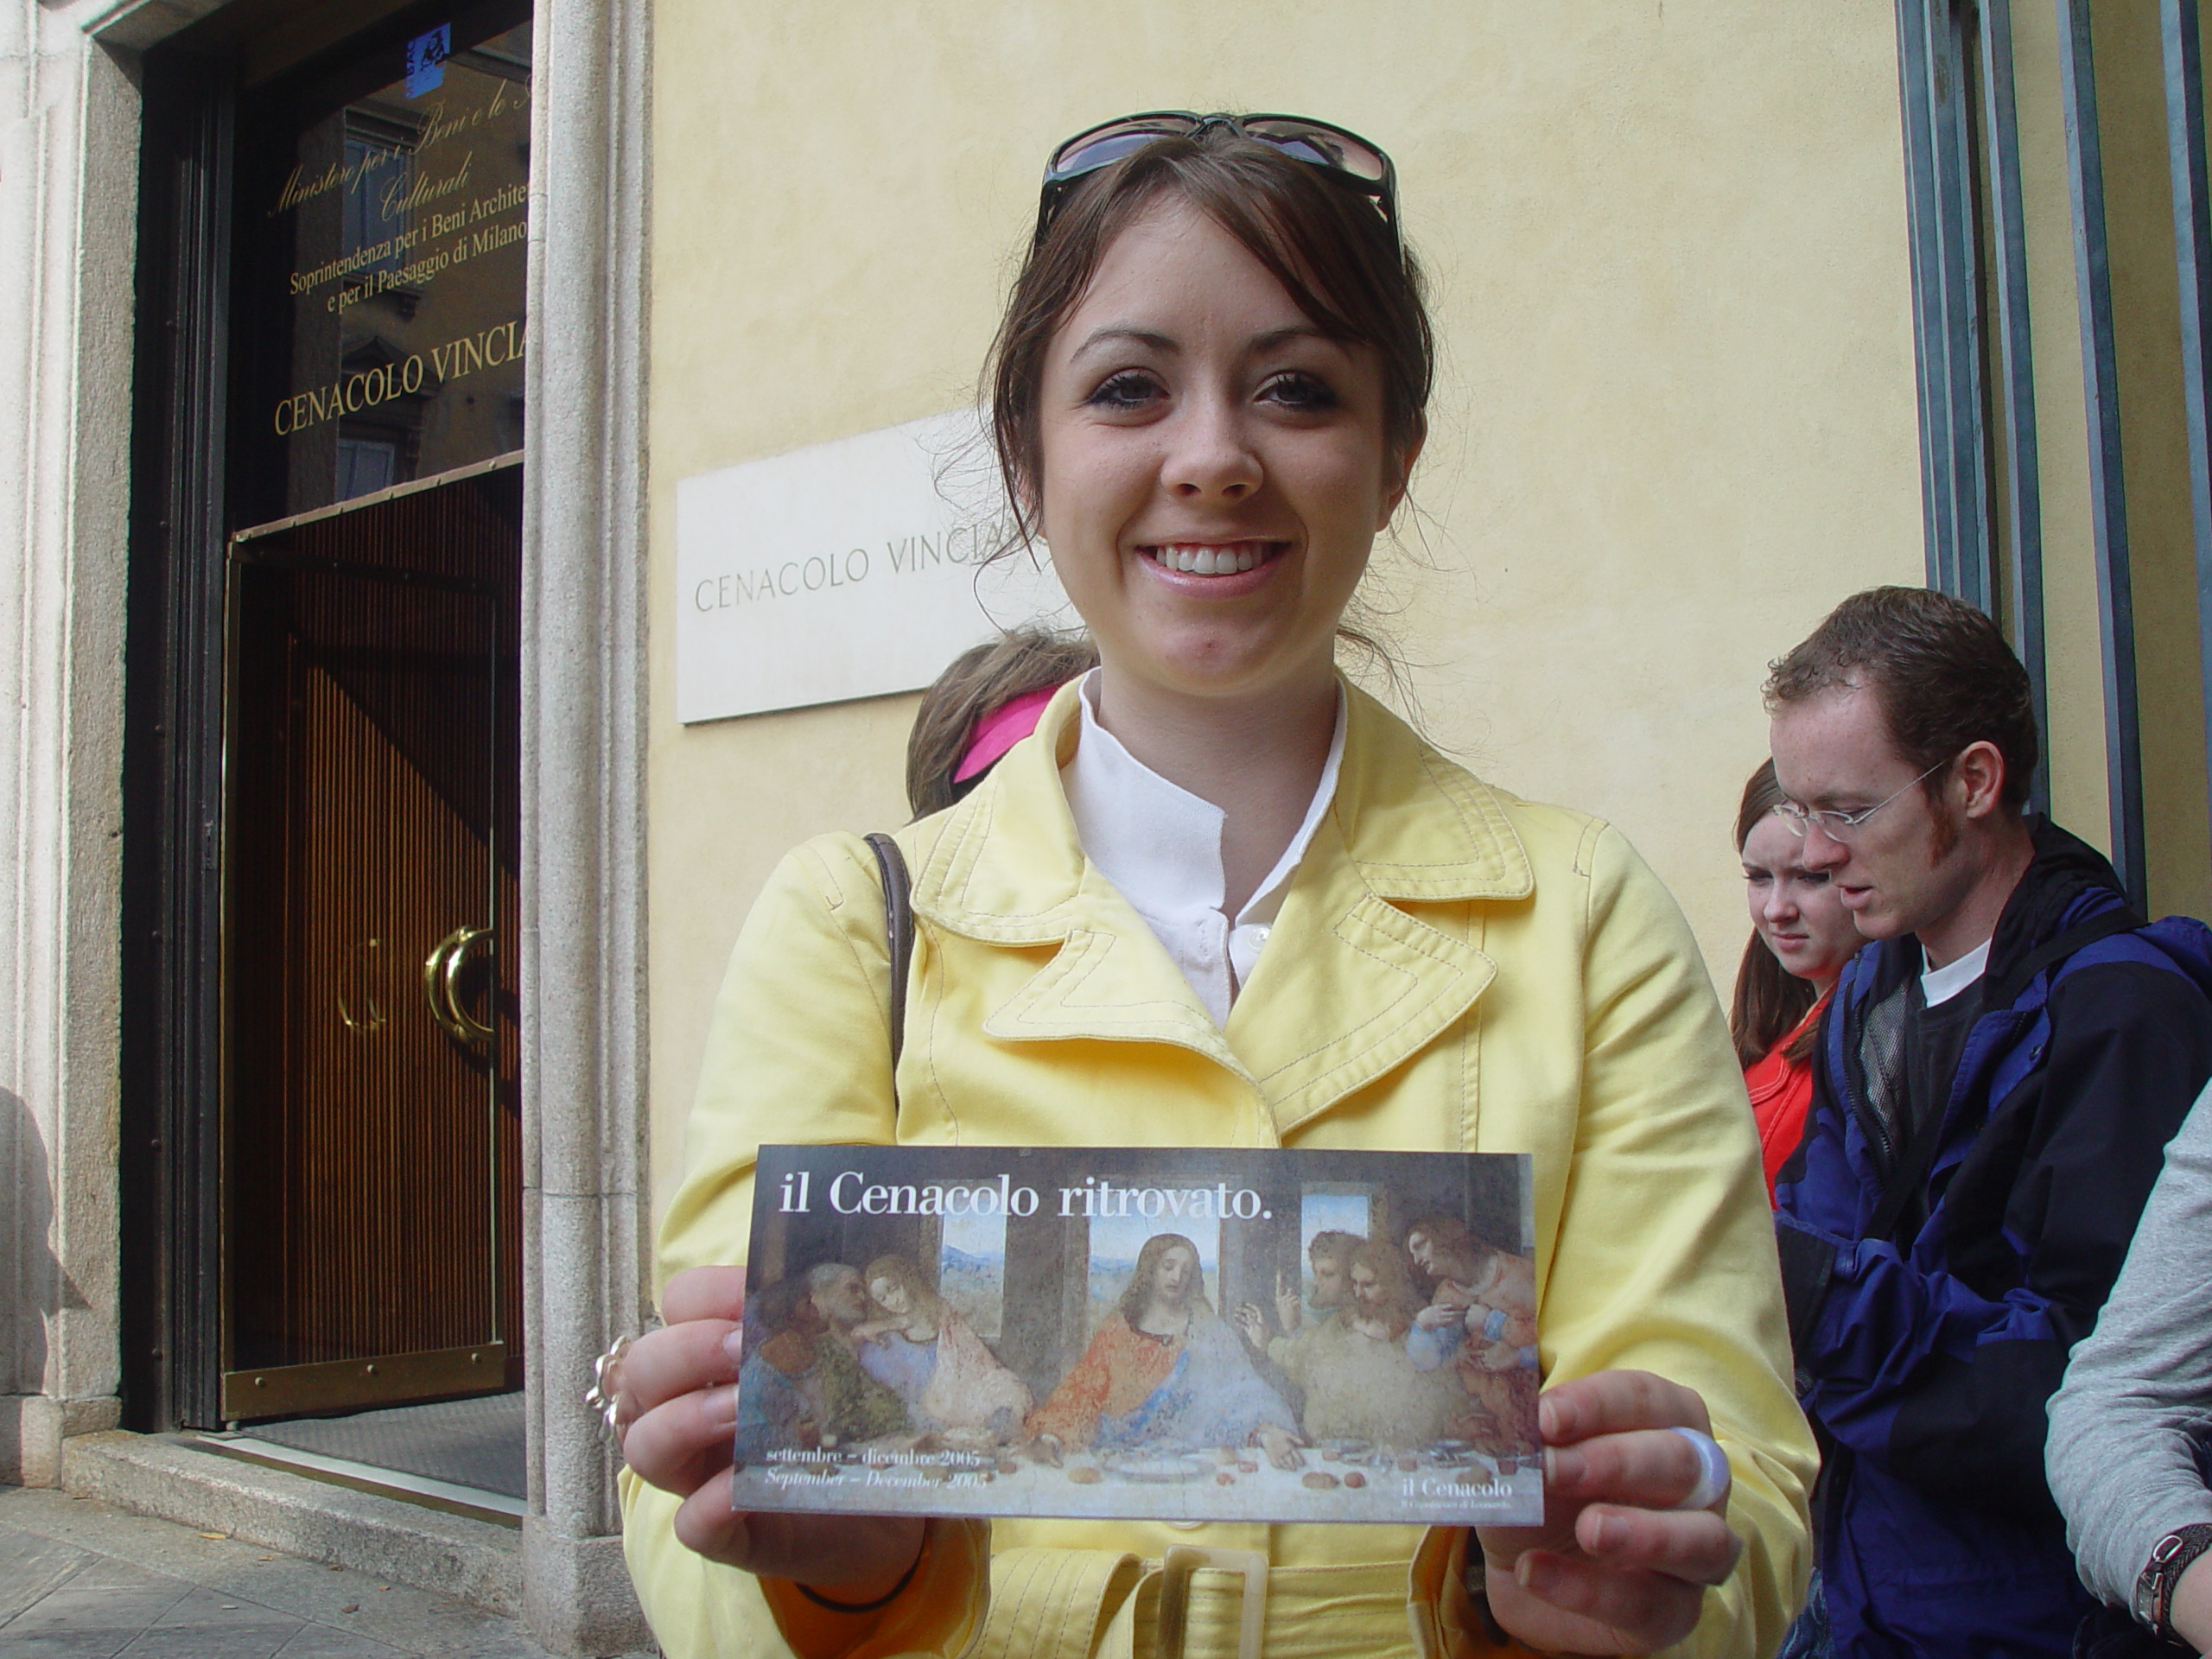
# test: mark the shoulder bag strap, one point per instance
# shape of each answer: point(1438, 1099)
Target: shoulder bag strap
point(899, 934)
point(1920, 1156)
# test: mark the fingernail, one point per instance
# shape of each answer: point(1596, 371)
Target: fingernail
point(734, 1345)
point(720, 1408)
point(1566, 1465)
point(1534, 1573)
point(1611, 1533)
point(1548, 1423)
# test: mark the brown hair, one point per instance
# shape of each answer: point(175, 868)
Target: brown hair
point(1770, 999)
point(1388, 1266)
point(900, 1270)
point(981, 679)
point(1942, 674)
point(1338, 259)
point(1335, 1247)
point(1448, 1235)
point(1137, 1293)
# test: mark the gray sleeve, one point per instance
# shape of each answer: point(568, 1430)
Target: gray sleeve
point(2121, 1455)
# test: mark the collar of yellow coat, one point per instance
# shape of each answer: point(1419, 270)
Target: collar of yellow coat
point(1354, 980)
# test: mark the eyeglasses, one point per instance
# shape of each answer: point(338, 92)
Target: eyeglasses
point(1842, 826)
point(1344, 156)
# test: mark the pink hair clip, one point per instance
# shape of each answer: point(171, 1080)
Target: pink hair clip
point(1000, 730)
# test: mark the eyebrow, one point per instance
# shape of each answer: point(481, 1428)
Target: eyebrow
point(1112, 332)
point(1125, 331)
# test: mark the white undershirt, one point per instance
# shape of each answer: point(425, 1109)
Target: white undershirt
point(1160, 847)
point(1939, 985)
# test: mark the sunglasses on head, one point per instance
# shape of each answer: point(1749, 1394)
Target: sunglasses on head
point(1344, 156)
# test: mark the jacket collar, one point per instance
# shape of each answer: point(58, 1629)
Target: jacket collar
point(1353, 984)
point(2067, 882)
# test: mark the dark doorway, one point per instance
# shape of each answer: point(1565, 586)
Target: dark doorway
point(321, 1123)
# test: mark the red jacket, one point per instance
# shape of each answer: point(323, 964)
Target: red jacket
point(1781, 1090)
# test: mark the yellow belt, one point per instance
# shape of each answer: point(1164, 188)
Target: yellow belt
point(1192, 1603)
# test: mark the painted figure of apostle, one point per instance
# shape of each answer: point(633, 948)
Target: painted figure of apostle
point(1358, 1381)
point(920, 1349)
point(1480, 1324)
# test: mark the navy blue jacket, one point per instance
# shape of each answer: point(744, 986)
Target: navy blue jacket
point(1926, 1356)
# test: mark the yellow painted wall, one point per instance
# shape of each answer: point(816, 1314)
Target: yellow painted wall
point(2162, 549)
point(2074, 739)
point(1674, 421)
point(2138, 222)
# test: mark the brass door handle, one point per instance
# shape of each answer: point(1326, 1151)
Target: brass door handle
point(441, 985)
point(363, 974)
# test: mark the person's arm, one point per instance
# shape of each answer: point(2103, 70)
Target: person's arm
point(2121, 1455)
point(1430, 1347)
point(798, 1050)
point(1070, 1414)
point(1917, 1371)
point(1689, 1295)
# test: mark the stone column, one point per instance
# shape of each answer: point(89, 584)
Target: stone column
point(69, 197)
point(583, 875)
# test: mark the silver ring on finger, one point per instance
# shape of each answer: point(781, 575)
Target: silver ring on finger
point(604, 1396)
point(1714, 1477)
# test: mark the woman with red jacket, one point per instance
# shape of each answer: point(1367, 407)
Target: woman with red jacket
point(1801, 937)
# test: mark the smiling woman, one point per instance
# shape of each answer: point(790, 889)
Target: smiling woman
point(1222, 898)
point(1214, 471)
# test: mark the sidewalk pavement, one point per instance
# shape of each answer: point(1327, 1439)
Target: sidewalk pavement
point(80, 1579)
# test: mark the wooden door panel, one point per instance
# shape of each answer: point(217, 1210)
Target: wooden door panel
point(373, 1155)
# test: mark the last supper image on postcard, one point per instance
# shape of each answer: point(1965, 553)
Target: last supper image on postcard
point(1174, 1333)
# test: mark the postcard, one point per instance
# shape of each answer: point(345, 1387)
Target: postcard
point(1169, 1333)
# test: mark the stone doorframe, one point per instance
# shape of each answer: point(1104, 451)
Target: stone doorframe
point(68, 204)
point(585, 1213)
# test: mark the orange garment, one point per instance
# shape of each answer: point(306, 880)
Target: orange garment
point(1782, 1092)
point(1116, 1374)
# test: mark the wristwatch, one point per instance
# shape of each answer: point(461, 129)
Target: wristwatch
point(2170, 1558)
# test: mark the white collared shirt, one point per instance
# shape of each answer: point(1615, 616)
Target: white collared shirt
point(1160, 847)
point(1939, 985)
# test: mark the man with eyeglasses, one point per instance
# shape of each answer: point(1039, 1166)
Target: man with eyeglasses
point(1997, 1077)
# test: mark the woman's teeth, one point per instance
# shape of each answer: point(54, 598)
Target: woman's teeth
point(1208, 561)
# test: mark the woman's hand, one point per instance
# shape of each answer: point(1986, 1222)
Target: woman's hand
point(678, 1397)
point(1615, 1568)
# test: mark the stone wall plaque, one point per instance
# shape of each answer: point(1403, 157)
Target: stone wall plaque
point(851, 569)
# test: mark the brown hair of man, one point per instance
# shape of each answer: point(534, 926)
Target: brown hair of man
point(1334, 1247)
point(1456, 1252)
point(1136, 1296)
point(1395, 1302)
point(1940, 671)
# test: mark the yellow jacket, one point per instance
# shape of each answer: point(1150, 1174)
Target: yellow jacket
point(1451, 969)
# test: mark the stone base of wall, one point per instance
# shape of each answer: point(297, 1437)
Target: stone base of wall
point(33, 1428)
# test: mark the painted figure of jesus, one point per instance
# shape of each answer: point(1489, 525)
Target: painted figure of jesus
point(1164, 1369)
